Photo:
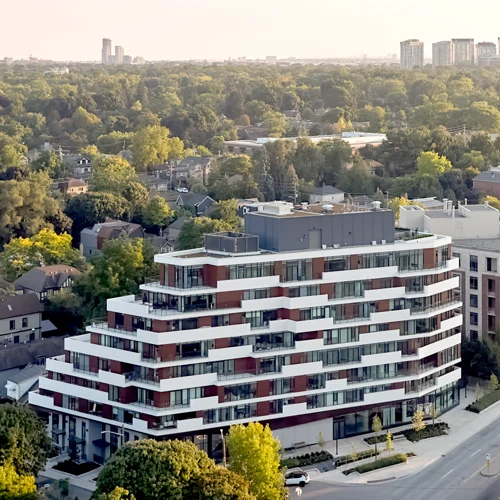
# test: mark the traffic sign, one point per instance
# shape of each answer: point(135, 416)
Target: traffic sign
point(488, 456)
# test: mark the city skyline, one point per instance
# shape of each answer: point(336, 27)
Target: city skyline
point(147, 33)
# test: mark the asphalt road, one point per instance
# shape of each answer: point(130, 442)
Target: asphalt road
point(455, 476)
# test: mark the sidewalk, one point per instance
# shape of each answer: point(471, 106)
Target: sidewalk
point(463, 424)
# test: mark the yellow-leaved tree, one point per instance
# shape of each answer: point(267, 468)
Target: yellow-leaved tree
point(13, 485)
point(254, 454)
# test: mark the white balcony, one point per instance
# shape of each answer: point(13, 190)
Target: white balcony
point(243, 351)
point(302, 369)
point(384, 396)
point(381, 359)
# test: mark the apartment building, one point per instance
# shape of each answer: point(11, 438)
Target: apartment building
point(475, 231)
point(463, 51)
point(412, 54)
point(310, 321)
point(442, 54)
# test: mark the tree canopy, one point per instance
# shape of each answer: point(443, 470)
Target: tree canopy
point(167, 470)
point(254, 455)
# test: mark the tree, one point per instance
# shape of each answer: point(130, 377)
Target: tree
point(50, 162)
point(254, 453)
point(14, 486)
point(121, 267)
point(90, 208)
point(430, 163)
point(137, 196)
point(24, 442)
point(389, 446)
point(117, 494)
point(11, 152)
point(227, 212)
point(493, 382)
point(83, 119)
point(26, 206)
point(263, 178)
point(217, 144)
point(401, 201)
point(358, 179)
point(44, 249)
point(156, 470)
point(321, 441)
point(276, 123)
point(152, 145)
point(219, 483)
point(478, 392)
point(112, 175)
point(193, 231)
point(290, 185)
point(354, 453)
point(236, 164)
point(418, 420)
point(376, 428)
point(157, 213)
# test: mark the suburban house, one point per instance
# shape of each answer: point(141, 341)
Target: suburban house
point(92, 239)
point(20, 318)
point(488, 182)
point(174, 229)
point(47, 280)
point(81, 165)
point(326, 194)
point(192, 167)
point(20, 382)
point(73, 187)
point(200, 202)
point(293, 115)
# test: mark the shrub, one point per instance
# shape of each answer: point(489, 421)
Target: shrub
point(382, 462)
point(431, 430)
point(307, 459)
point(346, 459)
point(484, 402)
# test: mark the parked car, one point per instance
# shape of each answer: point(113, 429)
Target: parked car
point(296, 478)
point(182, 190)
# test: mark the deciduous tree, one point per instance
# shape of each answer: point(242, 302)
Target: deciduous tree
point(376, 428)
point(24, 442)
point(430, 163)
point(14, 486)
point(254, 454)
point(157, 213)
point(193, 231)
point(112, 174)
point(418, 420)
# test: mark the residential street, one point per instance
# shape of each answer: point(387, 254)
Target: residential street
point(455, 476)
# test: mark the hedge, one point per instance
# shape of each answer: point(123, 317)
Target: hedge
point(484, 402)
point(347, 459)
point(307, 459)
point(399, 458)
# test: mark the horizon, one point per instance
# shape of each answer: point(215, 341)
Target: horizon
point(215, 31)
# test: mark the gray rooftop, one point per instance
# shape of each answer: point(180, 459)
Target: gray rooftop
point(479, 243)
point(488, 176)
point(26, 373)
point(325, 190)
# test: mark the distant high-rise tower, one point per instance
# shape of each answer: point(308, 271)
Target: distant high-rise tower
point(486, 49)
point(442, 54)
point(106, 50)
point(119, 52)
point(463, 51)
point(412, 54)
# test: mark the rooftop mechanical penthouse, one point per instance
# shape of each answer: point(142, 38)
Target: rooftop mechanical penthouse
point(311, 322)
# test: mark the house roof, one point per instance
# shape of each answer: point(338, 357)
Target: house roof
point(291, 113)
point(26, 373)
point(325, 190)
point(16, 355)
point(189, 161)
point(75, 183)
point(177, 224)
point(44, 278)
point(19, 305)
point(490, 176)
point(192, 199)
point(113, 229)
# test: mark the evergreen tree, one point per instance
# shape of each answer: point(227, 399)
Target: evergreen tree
point(290, 184)
point(263, 178)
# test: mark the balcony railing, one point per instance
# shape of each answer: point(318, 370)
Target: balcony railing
point(426, 267)
point(119, 329)
point(433, 307)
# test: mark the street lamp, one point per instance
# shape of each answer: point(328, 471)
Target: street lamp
point(223, 447)
point(116, 434)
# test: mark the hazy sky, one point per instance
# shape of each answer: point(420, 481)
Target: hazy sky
point(218, 29)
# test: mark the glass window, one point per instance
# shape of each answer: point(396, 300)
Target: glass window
point(340, 263)
point(473, 319)
point(12, 324)
point(473, 263)
point(473, 283)
point(473, 301)
point(25, 322)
